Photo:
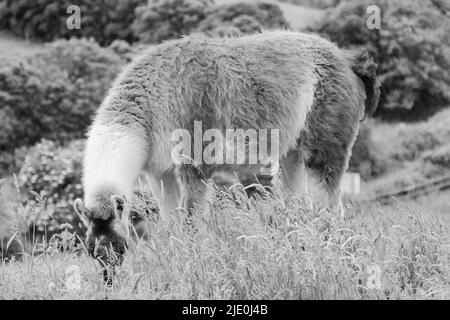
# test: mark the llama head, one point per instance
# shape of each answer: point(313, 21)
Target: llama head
point(107, 223)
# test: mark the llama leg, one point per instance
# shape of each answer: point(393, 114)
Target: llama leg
point(195, 188)
point(166, 188)
point(293, 174)
point(327, 146)
point(326, 163)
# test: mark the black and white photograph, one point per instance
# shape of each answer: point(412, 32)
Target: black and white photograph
point(237, 151)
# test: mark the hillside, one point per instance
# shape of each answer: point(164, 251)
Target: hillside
point(415, 152)
point(13, 47)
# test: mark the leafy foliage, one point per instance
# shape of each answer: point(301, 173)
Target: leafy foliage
point(45, 20)
point(436, 163)
point(440, 156)
point(53, 173)
point(54, 94)
point(412, 49)
point(322, 4)
point(167, 19)
point(247, 17)
point(424, 136)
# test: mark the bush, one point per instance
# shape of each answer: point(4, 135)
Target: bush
point(124, 50)
point(417, 140)
point(245, 16)
point(411, 48)
point(28, 95)
point(419, 137)
point(439, 157)
point(168, 19)
point(321, 4)
point(436, 163)
point(45, 20)
point(11, 160)
point(54, 94)
point(365, 157)
point(91, 70)
point(54, 173)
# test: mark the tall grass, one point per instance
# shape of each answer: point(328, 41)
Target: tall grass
point(269, 248)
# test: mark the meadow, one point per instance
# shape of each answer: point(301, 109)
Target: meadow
point(271, 247)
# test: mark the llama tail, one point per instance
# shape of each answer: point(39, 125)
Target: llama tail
point(365, 68)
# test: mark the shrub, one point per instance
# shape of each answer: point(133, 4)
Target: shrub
point(28, 97)
point(53, 172)
point(45, 20)
point(245, 16)
point(436, 163)
point(417, 140)
point(419, 137)
point(440, 156)
point(11, 160)
point(167, 19)
point(321, 4)
point(89, 68)
point(225, 31)
point(412, 49)
point(365, 158)
point(124, 50)
point(54, 94)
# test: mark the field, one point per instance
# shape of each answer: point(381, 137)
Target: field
point(270, 248)
point(273, 247)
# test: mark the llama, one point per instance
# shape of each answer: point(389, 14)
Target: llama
point(312, 92)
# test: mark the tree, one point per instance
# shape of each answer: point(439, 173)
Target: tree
point(167, 19)
point(248, 17)
point(54, 94)
point(104, 20)
point(412, 49)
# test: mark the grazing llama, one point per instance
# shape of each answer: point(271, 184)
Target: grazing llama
point(312, 92)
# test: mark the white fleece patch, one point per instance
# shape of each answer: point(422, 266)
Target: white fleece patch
point(114, 157)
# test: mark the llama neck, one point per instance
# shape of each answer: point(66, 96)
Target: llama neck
point(114, 157)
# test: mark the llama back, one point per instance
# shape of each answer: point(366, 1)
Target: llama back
point(260, 81)
point(265, 81)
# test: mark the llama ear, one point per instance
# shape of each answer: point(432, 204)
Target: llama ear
point(119, 211)
point(80, 211)
point(118, 204)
